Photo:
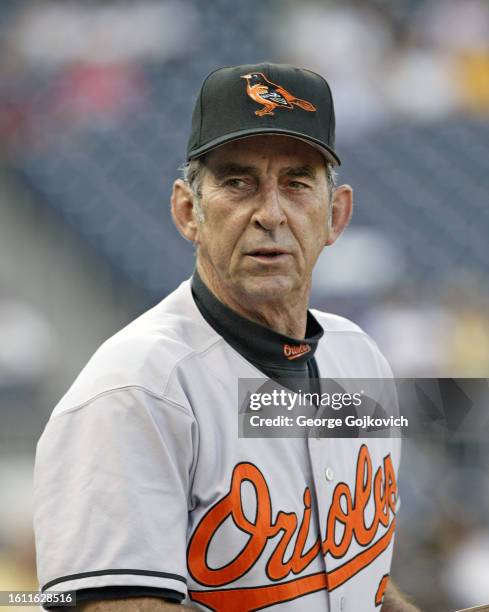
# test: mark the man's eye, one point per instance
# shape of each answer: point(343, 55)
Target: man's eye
point(298, 185)
point(237, 183)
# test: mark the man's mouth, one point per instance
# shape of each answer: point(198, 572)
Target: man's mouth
point(270, 254)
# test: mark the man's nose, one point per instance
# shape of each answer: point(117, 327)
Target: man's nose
point(269, 213)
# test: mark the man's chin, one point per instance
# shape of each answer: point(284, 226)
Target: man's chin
point(266, 288)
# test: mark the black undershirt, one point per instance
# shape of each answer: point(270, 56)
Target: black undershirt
point(260, 345)
point(267, 351)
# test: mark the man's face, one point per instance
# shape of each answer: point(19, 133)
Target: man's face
point(265, 204)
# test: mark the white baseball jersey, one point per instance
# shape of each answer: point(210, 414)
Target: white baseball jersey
point(141, 478)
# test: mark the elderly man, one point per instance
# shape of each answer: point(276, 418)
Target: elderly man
point(146, 497)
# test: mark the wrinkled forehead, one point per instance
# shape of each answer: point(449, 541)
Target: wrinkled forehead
point(266, 149)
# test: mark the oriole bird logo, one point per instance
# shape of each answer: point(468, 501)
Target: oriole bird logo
point(272, 96)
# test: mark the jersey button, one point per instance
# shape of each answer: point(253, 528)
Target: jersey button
point(329, 474)
point(343, 604)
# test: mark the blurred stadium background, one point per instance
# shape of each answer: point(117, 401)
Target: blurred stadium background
point(95, 103)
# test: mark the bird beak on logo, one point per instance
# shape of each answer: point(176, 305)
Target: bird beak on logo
point(245, 76)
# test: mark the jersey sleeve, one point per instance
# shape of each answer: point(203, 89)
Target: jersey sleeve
point(111, 490)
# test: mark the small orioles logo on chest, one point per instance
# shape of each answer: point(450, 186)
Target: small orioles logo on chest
point(294, 351)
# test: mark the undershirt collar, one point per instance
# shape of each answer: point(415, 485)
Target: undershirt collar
point(269, 351)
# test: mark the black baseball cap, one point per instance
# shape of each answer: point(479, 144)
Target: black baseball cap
point(240, 101)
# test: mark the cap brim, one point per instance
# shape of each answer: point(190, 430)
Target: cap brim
point(326, 151)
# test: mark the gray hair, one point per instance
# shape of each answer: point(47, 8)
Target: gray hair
point(193, 174)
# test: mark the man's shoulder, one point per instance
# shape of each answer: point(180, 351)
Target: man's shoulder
point(333, 323)
point(347, 350)
point(145, 352)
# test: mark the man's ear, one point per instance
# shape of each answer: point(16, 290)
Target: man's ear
point(183, 210)
point(342, 208)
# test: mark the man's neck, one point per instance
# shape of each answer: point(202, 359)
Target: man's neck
point(287, 317)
